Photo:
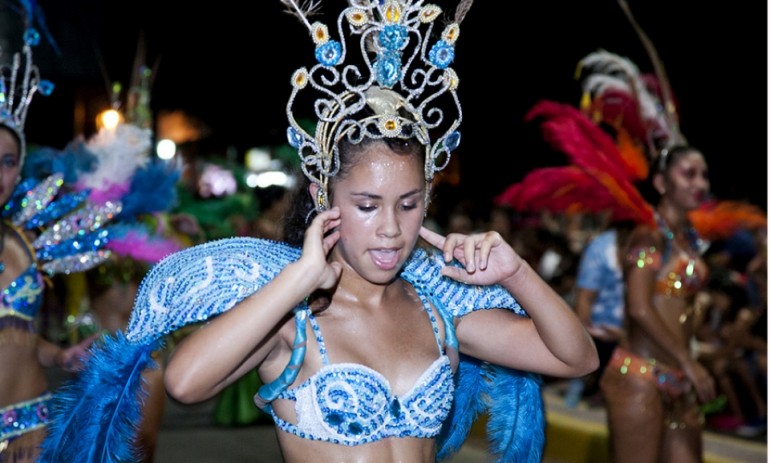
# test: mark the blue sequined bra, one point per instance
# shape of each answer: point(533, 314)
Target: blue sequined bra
point(22, 298)
point(352, 404)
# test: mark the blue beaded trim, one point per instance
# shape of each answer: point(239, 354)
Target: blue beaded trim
point(23, 417)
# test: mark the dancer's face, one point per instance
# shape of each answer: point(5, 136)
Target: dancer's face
point(381, 199)
point(9, 163)
point(685, 182)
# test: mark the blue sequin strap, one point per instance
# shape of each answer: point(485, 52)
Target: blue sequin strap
point(269, 392)
point(194, 284)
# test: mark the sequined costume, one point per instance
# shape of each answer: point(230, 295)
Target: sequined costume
point(670, 381)
point(682, 276)
point(352, 404)
point(23, 297)
point(679, 273)
point(71, 240)
point(21, 301)
point(200, 282)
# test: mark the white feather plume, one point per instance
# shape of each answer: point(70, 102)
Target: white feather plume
point(609, 71)
point(120, 152)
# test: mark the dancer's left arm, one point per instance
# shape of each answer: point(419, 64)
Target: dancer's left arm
point(69, 359)
point(551, 341)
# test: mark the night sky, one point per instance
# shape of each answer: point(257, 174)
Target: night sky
point(231, 69)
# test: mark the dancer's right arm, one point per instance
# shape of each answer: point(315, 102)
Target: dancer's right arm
point(237, 341)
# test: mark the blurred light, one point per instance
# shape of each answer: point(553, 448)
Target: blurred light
point(216, 181)
point(109, 119)
point(251, 179)
point(257, 159)
point(166, 149)
point(265, 179)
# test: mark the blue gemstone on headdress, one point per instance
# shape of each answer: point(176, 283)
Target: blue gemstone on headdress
point(294, 137)
point(388, 68)
point(407, 130)
point(393, 37)
point(329, 53)
point(45, 87)
point(31, 37)
point(442, 54)
point(453, 141)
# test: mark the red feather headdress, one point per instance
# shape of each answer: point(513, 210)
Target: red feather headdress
point(600, 179)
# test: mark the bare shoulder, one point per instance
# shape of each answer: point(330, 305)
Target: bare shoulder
point(644, 236)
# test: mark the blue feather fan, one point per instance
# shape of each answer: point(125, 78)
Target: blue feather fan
point(101, 406)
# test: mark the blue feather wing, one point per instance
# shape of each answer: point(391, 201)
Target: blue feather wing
point(93, 418)
point(516, 426)
point(199, 282)
point(467, 405)
point(459, 299)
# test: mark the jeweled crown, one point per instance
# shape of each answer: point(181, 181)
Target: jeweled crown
point(402, 75)
point(19, 81)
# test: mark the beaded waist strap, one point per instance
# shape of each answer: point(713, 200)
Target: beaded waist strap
point(669, 380)
point(24, 417)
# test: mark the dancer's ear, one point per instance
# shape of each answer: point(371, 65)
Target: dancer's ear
point(659, 183)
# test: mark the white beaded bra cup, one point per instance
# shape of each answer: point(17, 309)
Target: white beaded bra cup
point(399, 71)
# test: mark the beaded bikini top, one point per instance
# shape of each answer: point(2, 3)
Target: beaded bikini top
point(352, 404)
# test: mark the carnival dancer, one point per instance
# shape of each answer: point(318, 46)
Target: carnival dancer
point(371, 346)
point(45, 231)
point(627, 127)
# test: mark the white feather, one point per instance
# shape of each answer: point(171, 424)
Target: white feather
point(609, 71)
point(120, 152)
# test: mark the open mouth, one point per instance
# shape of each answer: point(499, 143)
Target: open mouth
point(385, 259)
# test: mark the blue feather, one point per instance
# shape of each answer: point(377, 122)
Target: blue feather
point(516, 426)
point(93, 417)
point(466, 407)
point(71, 162)
point(153, 188)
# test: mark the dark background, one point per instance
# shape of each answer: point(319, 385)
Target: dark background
point(228, 63)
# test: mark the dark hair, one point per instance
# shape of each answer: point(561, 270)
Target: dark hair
point(269, 195)
point(669, 156)
point(666, 159)
point(302, 204)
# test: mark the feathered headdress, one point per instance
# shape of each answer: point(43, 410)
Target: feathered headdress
point(718, 220)
point(614, 90)
point(399, 71)
point(617, 94)
point(626, 119)
point(20, 80)
point(600, 179)
point(115, 167)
